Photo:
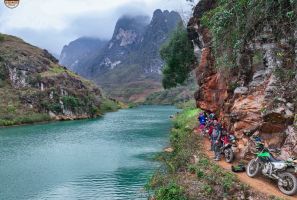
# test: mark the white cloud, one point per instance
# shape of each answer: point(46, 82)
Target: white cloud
point(52, 23)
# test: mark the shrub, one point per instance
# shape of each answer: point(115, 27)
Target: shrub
point(200, 174)
point(55, 107)
point(108, 105)
point(171, 192)
point(11, 109)
point(71, 102)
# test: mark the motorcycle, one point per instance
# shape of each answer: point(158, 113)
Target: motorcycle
point(229, 143)
point(280, 170)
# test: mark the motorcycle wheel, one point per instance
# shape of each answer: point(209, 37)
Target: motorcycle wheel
point(253, 168)
point(287, 184)
point(229, 155)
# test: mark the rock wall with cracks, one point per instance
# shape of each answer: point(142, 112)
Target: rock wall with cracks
point(255, 98)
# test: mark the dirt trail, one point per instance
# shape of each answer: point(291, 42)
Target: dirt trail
point(260, 184)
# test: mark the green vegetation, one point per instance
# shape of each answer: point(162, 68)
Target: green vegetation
point(54, 70)
point(178, 54)
point(285, 75)
point(234, 23)
point(26, 119)
point(186, 105)
point(71, 102)
point(109, 105)
point(2, 37)
point(171, 192)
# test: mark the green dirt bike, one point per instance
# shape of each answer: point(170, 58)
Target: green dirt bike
point(280, 170)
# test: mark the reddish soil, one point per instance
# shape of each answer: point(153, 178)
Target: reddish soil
point(261, 184)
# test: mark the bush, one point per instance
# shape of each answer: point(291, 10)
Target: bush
point(11, 109)
point(170, 192)
point(71, 102)
point(55, 107)
point(108, 105)
point(178, 55)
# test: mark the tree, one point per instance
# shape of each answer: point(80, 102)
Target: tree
point(178, 54)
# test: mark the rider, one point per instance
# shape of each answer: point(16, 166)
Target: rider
point(202, 119)
point(216, 139)
point(209, 124)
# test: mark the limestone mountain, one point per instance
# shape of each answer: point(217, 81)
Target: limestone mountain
point(34, 87)
point(129, 66)
point(80, 51)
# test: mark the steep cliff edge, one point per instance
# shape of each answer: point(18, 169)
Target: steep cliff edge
point(247, 71)
point(34, 87)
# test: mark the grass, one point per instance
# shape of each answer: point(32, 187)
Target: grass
point(53, 71)
point(26, 119)
point(109, 105)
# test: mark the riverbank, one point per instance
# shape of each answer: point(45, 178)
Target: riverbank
point(39, 118)
point(188, 173)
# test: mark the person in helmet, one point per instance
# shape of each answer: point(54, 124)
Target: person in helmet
point(212, 116)
point(216, 140)
point(209, 125)
point(202, 120)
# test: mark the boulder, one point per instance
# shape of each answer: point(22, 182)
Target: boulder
point(241, 90)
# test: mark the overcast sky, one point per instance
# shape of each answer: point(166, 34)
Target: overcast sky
point(50, 24)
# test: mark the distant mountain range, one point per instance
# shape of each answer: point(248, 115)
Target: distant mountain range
point(128, 66)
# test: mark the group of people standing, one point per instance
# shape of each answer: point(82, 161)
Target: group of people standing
point(210, 126)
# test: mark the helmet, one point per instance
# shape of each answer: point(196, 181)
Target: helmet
point(212, 115)
point(259, 146)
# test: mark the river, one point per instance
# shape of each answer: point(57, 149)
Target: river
point(105, 158)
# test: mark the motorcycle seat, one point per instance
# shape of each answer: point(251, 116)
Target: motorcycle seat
point(272, 159)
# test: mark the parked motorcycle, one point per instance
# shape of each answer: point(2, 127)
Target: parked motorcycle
point(229, 142)
point(280, 170)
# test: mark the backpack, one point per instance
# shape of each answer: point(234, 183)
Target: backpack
point(238, 168)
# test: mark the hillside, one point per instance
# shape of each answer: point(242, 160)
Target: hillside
point(34, 87)
point(129, 66)
point(176, 95)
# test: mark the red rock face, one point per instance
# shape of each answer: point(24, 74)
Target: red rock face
point(213, 93)
point(260, 103)
point(249, 109)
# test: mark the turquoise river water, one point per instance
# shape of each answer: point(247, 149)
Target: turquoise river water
point(104, 158)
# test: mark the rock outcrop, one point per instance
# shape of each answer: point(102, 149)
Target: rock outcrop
point(32, 82)
point(259, 95)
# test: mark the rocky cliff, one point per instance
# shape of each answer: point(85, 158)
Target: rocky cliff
point(129, 65)
point(34, 87)
point(254, 90)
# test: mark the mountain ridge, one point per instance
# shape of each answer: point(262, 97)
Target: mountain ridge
point(131, 57)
